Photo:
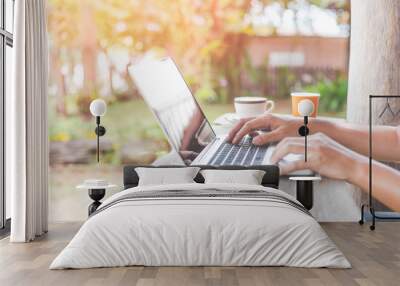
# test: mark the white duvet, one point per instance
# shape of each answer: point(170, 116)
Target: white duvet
point(200, 231)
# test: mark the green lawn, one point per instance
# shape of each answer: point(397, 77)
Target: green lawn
point(129, 121)
point(124, 121)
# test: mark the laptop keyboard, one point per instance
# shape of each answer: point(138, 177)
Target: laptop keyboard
point(245, 153)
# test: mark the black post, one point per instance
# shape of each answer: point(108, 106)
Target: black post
point(100, 131)
point(371, 208)
point(304, 193)
point(303, 131)
point(305, 137)
point(370, 152)
point(98, 138)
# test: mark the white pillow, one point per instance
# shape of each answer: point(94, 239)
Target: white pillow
point(248, 177)
point(163, 176)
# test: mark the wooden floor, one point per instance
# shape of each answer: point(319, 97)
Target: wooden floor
point(375, 257)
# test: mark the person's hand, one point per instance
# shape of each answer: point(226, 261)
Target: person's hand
point(279, 127)
point(324, 155)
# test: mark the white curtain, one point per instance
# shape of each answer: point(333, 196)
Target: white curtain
point(26, 124)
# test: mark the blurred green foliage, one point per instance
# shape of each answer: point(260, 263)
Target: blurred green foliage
point(285, 81)
point(333, 95)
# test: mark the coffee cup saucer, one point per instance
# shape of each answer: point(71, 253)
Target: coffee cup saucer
point(228, 119)
point(234, 117)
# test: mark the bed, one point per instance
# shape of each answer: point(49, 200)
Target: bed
point(198, 224)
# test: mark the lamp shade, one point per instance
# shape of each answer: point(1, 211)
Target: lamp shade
point(98, 107)
point(306, 107)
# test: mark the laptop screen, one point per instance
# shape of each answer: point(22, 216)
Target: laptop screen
point(165, 91)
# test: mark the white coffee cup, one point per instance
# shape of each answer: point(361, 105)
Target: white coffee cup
point(252, 106)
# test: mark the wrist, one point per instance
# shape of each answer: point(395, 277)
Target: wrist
point(358, 171)
point(320, 125)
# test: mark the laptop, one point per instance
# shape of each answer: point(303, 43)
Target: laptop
point(165, 91)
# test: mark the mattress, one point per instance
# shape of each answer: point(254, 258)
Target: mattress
point(201, 225)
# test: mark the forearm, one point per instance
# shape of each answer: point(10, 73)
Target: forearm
point(385, 181)
point(386, 139)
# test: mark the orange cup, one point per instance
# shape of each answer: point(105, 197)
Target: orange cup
point(299, 96)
